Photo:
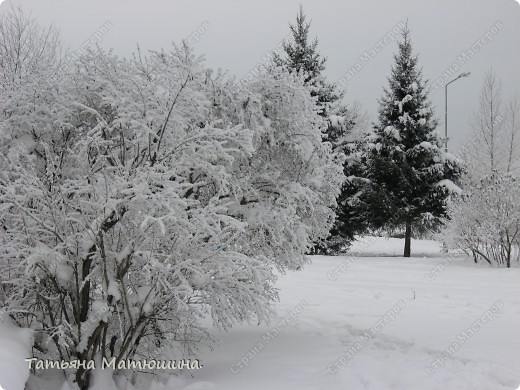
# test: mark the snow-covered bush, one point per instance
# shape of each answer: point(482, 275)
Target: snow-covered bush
point(149, 193)
point(485, 221)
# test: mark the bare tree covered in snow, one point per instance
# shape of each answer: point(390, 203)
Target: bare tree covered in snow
point(153, 193)
point(485, 221)
point(512, 134)
point(494, 144)
point(25, 46)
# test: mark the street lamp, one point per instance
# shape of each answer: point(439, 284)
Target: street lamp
point(464, 74)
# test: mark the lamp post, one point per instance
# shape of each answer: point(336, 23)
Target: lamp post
point(464, 74)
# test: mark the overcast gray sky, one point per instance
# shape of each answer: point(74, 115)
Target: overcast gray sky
point(237, 34)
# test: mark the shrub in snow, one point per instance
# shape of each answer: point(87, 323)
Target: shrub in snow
point(111, 216)
point(485, 221)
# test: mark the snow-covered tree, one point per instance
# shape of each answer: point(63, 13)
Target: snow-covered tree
point(485, 221)
point(352, 213)
point(25, 47)
point(30, 58)
point(159, 194)
point(301, 56)
point(410, 176)
point(512, 130)
point(495, 138)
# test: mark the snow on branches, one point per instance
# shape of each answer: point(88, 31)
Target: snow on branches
point(485, 220)
point(158, 193)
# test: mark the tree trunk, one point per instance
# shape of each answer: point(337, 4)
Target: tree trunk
point(83, 378)
point(407, 239)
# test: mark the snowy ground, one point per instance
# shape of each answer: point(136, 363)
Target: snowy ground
point(358, 322)
point(428, 303)
point(14, 348)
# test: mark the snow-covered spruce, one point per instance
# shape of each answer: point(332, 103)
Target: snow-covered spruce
point(408, 178)
point(158, 193)
point(300, 54)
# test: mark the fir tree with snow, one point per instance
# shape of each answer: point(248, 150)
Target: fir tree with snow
point(352, 214)
point(301, 56)
point(411, 176)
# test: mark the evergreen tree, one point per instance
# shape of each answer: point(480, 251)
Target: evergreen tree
point(352, 216)
point(301, 55)
point(411, 176)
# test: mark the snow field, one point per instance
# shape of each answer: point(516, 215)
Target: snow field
point(386, 322)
